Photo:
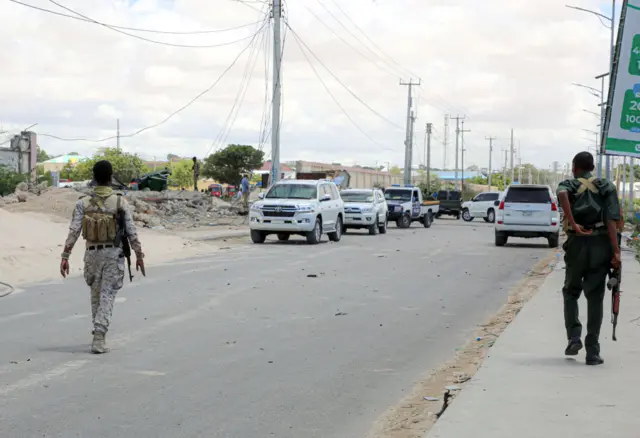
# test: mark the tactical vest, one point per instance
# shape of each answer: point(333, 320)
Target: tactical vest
point(100, 224)
point(586, 206)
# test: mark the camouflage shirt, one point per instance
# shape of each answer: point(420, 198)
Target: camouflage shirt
point(608, 194)
point(75, 229)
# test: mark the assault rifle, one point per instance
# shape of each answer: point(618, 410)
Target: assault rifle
point(122, 238)
point(615, 276)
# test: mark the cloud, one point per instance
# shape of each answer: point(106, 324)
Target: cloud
point(501, 63)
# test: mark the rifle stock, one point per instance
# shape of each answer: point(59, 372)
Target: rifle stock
point(615, 277)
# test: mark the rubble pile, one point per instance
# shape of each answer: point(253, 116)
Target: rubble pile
point(157, 210)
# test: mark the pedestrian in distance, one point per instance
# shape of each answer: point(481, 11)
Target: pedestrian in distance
point(98, 217)
point(591, 215)
point(244, 185)
point(196, 173)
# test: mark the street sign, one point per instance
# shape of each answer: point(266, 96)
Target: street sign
point(622, 123)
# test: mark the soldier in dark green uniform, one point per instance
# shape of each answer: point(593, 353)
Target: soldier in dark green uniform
point(591, 209)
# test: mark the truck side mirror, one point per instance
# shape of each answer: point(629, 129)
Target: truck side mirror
point(261, 196)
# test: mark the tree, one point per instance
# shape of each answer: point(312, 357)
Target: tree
point(182, 174)
point(74, 153)
point(172, 157)
point(125, 166)
point(395, 170)
point(473, 168)
point(9, 180)
point(42, 155)
point(229, 164)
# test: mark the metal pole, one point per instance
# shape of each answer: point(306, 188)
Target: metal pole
point(490, 155)
point(458, 118)
point(446, 140)
point(611, 59)
point(429, 157)
point(408, 142)
point(462, 131)
point(632, 180)
point(512, 151)
point(277, 84)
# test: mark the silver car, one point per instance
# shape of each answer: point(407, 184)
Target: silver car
point(365, 208)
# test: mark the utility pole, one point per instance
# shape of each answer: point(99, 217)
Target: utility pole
point(118, 133)
point(408, 143)
point(429, 126)
point(511, 157)
point(446, 140)
point(632, 180)
point(519, 164)
point(491, 139)
point(462, 131)
point(277, 84)
point(504, 169)
point(457, 119)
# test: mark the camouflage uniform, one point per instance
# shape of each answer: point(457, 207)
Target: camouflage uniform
point(588, 260)
point(104, 265)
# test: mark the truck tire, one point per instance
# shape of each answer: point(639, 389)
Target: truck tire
point(314, 236)
point(554, 240)
point(458, 216)
point(404, 221)
point(383, 228)
point(427, 220)
point(283, 237)
point(258, 236)
point(501, 239)
point(337, 234)
point(373, 229)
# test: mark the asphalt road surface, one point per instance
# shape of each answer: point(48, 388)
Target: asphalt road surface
point(244, 343)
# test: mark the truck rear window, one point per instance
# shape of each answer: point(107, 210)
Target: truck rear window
point(528, 195)
point(454, 196)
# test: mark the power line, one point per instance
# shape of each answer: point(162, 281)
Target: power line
point(340, 82)
point(191, 102)
point(315, 71)
point(239, 100)
point(136, 29)
point(349, 44)
point(147, 39)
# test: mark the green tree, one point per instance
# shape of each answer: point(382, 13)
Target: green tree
point(182, 174)
point(42, 155)
point(478, 180)
point(395, 170)
point(9, 180)
point(172, 157)
point(229, 164)
point(125, 166)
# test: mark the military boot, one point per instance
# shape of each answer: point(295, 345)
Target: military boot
point(99, 346)
point(574, 347)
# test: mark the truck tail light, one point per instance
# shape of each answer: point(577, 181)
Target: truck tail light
point(554, 206)
point(501, 206)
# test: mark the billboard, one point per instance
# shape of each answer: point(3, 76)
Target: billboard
point(622, 123)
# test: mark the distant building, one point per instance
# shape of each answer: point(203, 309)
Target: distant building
point(58, 163)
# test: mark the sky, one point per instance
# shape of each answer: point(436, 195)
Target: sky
point(500, 64)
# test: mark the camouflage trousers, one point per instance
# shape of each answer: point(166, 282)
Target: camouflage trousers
point(104, 274)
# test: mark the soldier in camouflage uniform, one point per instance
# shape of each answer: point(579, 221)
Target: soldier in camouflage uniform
point(591, 209)
point(95, 217)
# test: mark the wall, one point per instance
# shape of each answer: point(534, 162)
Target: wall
point(22, 155)
point(360, 178)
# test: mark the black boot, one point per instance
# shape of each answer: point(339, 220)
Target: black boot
point(594, 359)
point(574, 347)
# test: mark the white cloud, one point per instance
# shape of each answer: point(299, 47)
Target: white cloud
point(502, 63)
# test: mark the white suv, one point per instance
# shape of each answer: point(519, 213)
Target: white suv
point(528, 211)
point(304, 207)
point(365, 208)
point(482, 206)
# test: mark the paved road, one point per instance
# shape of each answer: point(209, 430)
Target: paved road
point(244, 344)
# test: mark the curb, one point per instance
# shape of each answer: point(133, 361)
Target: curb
point(222, 236)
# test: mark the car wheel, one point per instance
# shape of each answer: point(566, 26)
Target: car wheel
point(501, 239)
point(373, 229)
point(466, 215)
point(258, 236)
point(438, 215)
point(404, 221)
point(383, 228)
point(314, 236)
point(458, 216)
point(427, 220)
point(491, 216)
point(554, 240)
point(283, 237)
point(337, 234)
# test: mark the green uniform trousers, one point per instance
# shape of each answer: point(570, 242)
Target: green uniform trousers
point(587, 260)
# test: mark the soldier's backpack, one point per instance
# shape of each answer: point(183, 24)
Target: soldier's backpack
point(98, 225)
point(586, 204)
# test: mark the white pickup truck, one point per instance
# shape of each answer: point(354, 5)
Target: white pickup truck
point(406, 206)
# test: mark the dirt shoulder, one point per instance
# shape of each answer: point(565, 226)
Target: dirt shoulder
point(413, 416)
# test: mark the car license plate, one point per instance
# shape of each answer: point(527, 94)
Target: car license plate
point(527, 213)
point(277, 222)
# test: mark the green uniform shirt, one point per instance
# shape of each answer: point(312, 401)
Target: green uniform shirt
point(609, 195)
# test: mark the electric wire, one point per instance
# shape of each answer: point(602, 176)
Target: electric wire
point(209, 46)
point(315, 71)
point(179, 110)
point(136, 29)
point(300, 41)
